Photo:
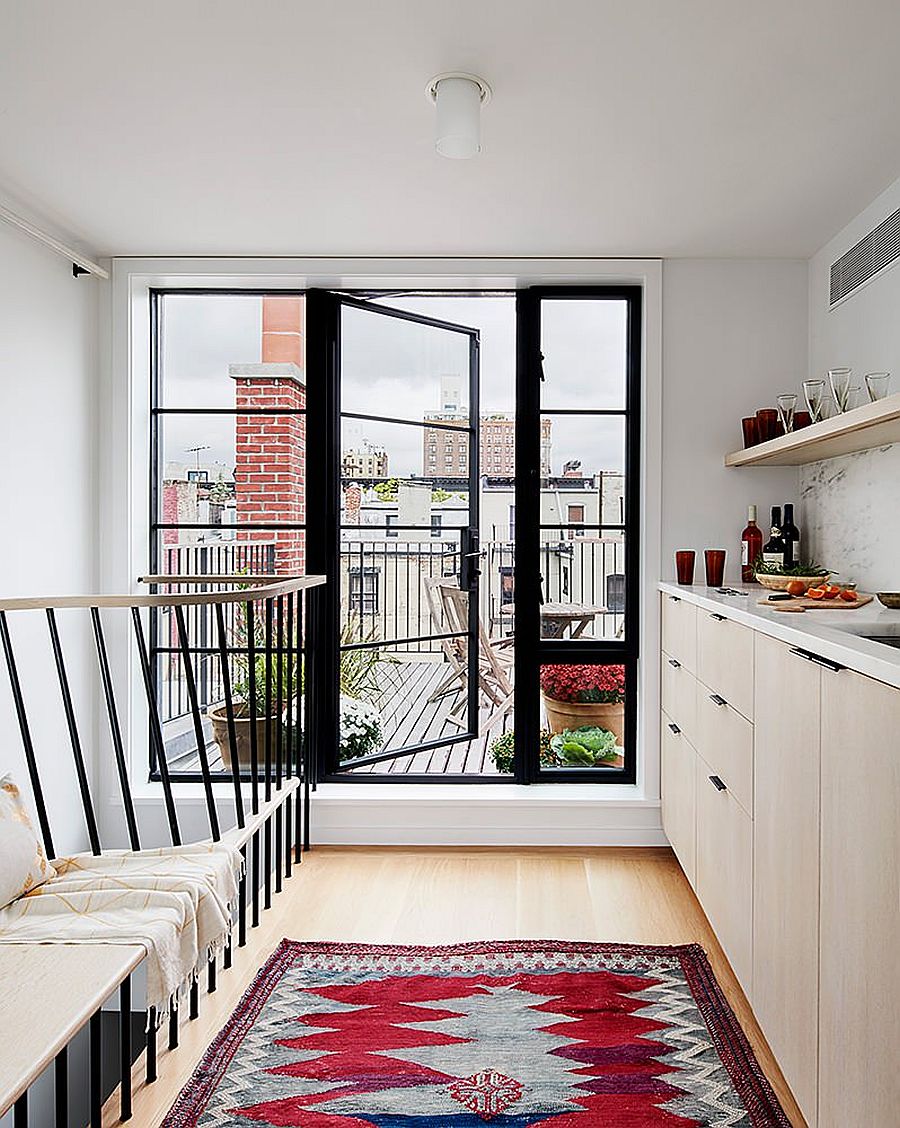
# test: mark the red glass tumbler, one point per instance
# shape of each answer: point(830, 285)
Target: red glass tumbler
point(751, 431)
point(684, 566)
point(715, 566)
point(767, 423)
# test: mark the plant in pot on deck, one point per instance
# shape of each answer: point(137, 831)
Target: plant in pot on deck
point(585, 696)
point(241, 692)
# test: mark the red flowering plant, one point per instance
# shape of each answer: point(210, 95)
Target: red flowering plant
point(584, 685)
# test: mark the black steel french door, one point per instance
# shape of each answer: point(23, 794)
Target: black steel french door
point(393, 480)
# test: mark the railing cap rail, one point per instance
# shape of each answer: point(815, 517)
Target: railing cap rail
point(268, 587)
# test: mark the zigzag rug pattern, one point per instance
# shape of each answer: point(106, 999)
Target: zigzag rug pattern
point(483, 1035)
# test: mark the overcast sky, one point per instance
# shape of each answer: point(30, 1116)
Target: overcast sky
point(393, 367)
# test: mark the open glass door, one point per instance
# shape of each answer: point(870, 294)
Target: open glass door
point(404, 667)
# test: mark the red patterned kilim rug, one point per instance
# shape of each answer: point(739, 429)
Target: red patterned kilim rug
point(504, 1035)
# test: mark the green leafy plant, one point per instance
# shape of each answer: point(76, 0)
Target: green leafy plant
point(359, 666)
point(502, 751)
point(387, 490)
point(810, 569)
point(583, 747)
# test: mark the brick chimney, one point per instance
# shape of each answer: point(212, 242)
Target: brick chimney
point(270, 450)
point(352, 502)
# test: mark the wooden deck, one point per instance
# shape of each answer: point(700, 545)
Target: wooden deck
point(408, 718)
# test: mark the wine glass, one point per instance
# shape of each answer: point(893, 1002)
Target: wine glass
point(878, 385)
point(786, 405)
point(814, 392)
point(839, 378)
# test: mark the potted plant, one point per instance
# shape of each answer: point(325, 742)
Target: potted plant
point(502, 749)
point(360, 728)
point(587, 747)
point(577, 697)
point(241, 691)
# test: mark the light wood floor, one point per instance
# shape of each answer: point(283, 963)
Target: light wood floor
point(434, 896)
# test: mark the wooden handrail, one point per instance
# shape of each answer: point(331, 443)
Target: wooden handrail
point(217, 578)
point(267, 590)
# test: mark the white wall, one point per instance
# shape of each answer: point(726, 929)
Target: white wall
point(48, 333)
point(851, 505)
point(734, 337)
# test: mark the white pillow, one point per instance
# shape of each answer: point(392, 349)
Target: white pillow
point(23, 864)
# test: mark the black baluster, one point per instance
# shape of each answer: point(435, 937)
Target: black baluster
point(267, 861)
point(115, 729)
point(254, 919)
point(75, 740)
point(254, 750)
point(25, 733)
point(155, 727)
point(229, 715)
point(173, 1026)
point(96, 1066)
point(198, 723)
point(152, 1020)
point(125, 1048)
point(268, 692)
point(61, 1087)
point(194, 1011)
point(242, 901)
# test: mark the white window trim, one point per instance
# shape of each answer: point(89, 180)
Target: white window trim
point(123, 503)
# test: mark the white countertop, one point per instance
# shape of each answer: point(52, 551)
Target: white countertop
point(830, 634)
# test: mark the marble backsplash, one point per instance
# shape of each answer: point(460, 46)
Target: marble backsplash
point(850, 516)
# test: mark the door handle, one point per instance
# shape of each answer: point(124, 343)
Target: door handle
point(818, 660)
point(674, 728)
point(717, 783)
point(674, 663)
point(675, 598)
point(717, 700)
point(718, 618)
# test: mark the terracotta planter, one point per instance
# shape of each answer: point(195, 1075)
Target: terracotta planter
point(219, 718)
point(563, 715)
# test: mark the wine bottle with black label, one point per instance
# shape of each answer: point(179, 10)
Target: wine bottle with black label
point(773, 549)
point(790, 534)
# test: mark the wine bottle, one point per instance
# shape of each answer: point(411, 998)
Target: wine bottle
point(751, 545)
point(790, 534)
point(773, 549)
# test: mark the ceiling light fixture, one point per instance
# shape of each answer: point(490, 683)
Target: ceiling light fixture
point(458, 99)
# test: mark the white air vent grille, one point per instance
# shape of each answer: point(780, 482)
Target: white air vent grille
point(872, 253)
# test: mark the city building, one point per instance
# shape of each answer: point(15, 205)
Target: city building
point(370, 462)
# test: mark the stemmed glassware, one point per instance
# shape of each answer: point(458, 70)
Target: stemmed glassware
point(878, 384)
point(814, 392)
point(786, 407)
point(839, 378)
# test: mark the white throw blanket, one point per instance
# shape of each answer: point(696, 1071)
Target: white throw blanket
point(176, 902)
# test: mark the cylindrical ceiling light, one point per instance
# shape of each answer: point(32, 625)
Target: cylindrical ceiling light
point(458, 99)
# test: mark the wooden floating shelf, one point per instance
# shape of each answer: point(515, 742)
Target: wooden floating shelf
point(872, 425)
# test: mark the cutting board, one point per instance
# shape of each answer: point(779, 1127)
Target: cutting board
point(804, 603)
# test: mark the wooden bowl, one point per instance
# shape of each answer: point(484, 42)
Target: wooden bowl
point(780, 583)
point(890, 599)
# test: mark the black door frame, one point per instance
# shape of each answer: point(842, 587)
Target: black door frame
point(532, 650)
point(322, 698)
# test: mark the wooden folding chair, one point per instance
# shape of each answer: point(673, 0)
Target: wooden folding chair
point(449, 608)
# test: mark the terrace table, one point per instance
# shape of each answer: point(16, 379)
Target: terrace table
point(557, 618)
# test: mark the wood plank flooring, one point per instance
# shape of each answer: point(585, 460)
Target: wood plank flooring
point(435, 896)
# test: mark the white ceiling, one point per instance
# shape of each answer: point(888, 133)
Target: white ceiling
point(646, 127)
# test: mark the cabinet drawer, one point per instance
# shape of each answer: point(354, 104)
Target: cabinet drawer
point(679, 630)
point(725, 872)
point(725, 660)
point(725, 741)
point(679, 695)
point(679, 796)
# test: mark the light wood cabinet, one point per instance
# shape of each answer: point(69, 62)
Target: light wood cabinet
point(725, 741)
point(679, 696)
point(859, 972)
point(725, 659)
point(679, 631)
point(679, 795)
point(786, 863)
point(724, 882)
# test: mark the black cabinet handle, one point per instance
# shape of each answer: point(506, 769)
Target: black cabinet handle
point(675, 598)
point(674, 728)
point(717, 700)
point(717, 783)
point(817, 659)
point(675, 663)
point(718, 618)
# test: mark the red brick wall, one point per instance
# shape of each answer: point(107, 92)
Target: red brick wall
point(270, 450)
